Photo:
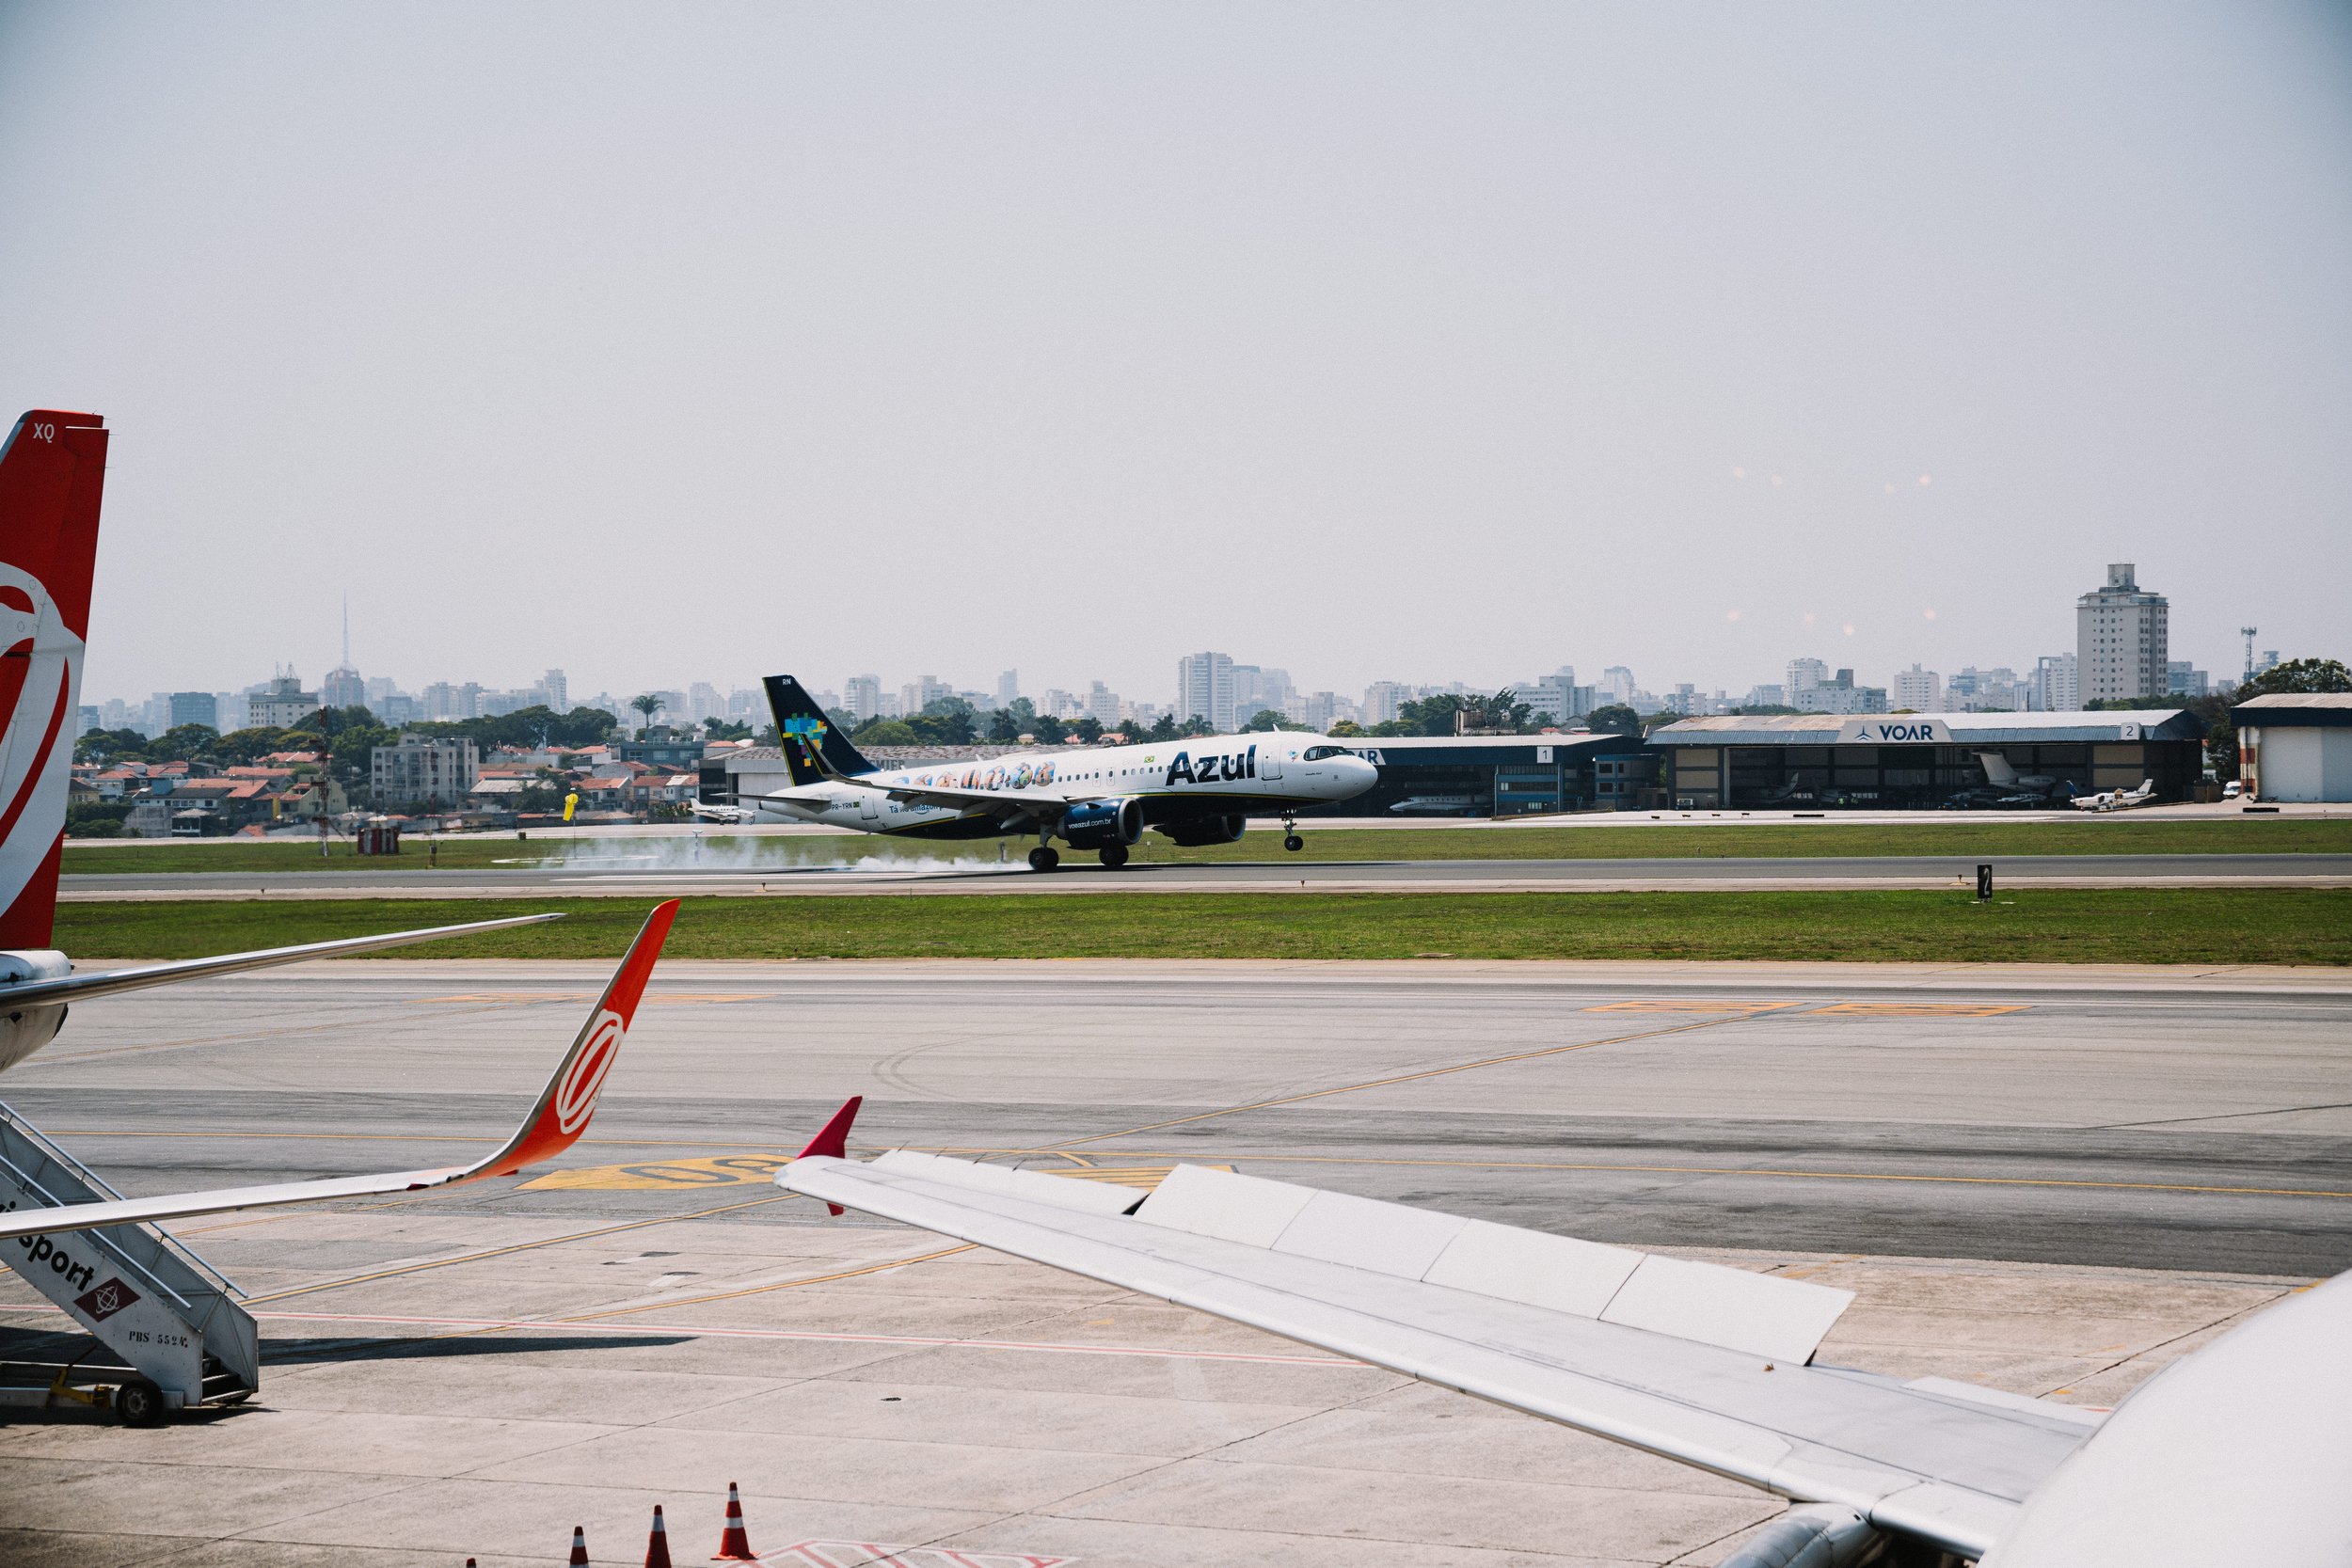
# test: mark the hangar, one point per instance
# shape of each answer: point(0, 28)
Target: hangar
point(1921, 759)
point(1498, 775)
point(2295, 746)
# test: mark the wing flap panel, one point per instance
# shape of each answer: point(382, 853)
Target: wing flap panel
point(1221, 1203)
point(1558, 1273)
point(1784, 1319)
point(1062, 1192)
point(1363, 1233)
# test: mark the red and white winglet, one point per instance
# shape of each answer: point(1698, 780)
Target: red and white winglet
point(554, 1126)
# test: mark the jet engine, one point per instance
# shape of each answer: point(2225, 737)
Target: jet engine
point(1100, 823)
point(1198, 831)
point(25, 1030)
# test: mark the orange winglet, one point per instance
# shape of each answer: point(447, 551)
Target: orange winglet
point(571, 1097)
point(834, 1139)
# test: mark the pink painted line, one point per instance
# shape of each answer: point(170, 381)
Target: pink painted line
point(915, 1339)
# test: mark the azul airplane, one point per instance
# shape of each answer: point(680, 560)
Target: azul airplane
point(1200, 790)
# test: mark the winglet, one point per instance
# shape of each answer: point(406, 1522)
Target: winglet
point(570, 1098)
point(835, 1140)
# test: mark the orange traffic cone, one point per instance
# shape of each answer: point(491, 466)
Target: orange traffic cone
point(735, 1546)
point(580, 1549)
point(658, 1544)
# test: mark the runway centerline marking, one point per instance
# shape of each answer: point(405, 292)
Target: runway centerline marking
point(1696, 1005)
point(1922, 1009)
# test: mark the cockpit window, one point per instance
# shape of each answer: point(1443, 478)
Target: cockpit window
point(1316, 753)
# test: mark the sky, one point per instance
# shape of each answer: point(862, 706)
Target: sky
point(1374, 341)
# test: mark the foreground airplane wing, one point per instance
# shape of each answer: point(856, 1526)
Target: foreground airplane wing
point(1706, 1364)
point(110, 982)
point(554, 1124)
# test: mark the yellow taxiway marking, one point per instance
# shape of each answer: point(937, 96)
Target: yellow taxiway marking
point(720, 1170)
point(519, 998)
point(1922, 1009)
point(1721, 1005)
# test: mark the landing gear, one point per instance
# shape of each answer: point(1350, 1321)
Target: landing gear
point(1044, 858)
point(1291, 840)
point(1113, 855)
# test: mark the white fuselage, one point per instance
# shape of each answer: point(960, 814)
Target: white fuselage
point(1263, 773)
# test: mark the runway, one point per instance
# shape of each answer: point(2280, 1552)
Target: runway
point(974, 874)
point(2059, 1122)
point(2049, 1180)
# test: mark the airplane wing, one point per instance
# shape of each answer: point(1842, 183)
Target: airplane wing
point(1706, 1364)
point(110, 982)
point(554, 1124)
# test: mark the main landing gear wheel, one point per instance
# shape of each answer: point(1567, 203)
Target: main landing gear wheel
point(1293, 843)
point(139, 1404)
point(1044, 858)
point(1113, 855)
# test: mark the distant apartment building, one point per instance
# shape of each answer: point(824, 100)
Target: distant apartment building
point(1008, 688)
point(1803, 676)
point(704, 701)
point(1259, 690)
point(283, 705)
point(1767, 696)
point(1995, 690)
point(195, 707)
point(2122, 644)
point(2184, 679)
point(1555, 699)
point(2051, 688)
point(1204, 689)
point(417, 768)
point(918, 695)
point(860, 697)
point(1101, 705)
point(1920, 690)
point(557, 690)
point(1839, 693)
point(1615, 685)
point(343, 687)
point(1383, 700)
point(86, 719)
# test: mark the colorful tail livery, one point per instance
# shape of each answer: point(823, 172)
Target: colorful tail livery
point(554, 1124)
point(805, 732)
point(52, 472)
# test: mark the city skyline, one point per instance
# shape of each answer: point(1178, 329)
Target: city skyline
point(1497, 340)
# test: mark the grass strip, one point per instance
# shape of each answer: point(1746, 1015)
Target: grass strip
point(1665, 840)
point(2199, 925)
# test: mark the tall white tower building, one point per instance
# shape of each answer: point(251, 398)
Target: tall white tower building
point(1204, 689)
point(2121, 646)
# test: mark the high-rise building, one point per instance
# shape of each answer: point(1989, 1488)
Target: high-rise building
point(915, 696)
point(1555, 699)
point(2122, 646)
point(1804, 674)
point(1615, 685)
point(1920, 690)
point(1101, 705)
point(1258, 690)
point(1008, 688)
point(1382, 699)
point(195, 707)
point(860, 697)
point(1204, 689)
point(704, 701)
point(342, 687)
point(2184, 679)
point(283, 704)
point(559, 690)
point(2052, 686)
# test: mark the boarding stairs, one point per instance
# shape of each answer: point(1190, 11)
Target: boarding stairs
point(164, 1315)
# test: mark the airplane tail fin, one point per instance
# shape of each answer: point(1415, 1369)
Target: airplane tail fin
point(52, 471)
point(1996, 768)
point(812, 748)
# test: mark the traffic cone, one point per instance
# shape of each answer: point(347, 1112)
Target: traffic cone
point(580, 1549)
point(658, 1543)
point(735, 1546)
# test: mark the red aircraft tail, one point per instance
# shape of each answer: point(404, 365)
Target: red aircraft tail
point(52, 471)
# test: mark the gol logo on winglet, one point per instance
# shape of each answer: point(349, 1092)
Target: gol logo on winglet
point(576, 1096)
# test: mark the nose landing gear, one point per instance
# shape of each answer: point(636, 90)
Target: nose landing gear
point(1291, 840)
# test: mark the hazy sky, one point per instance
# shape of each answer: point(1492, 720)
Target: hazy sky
point(1416, 342)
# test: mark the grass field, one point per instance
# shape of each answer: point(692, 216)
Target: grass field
point(2088, 836)
point(2103, 925)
